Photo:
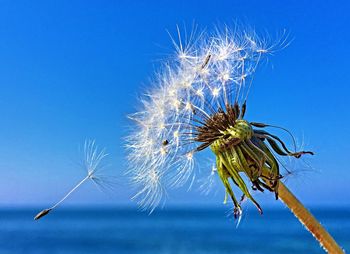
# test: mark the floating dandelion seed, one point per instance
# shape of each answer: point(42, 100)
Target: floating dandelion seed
point(92, 163)
point(198, 102)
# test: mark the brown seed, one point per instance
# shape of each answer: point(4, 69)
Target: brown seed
point(42, 214)
point(206, 61)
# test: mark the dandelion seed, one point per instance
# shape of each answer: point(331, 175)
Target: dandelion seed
point(92, 163)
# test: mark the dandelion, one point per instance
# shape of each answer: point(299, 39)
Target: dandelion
point(197, 103)
point(92, 163)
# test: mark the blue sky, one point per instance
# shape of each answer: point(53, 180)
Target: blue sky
point(73, 70)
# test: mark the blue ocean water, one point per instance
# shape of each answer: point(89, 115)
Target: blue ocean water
point(185, 230)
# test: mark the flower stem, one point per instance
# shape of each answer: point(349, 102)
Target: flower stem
point(308, 220)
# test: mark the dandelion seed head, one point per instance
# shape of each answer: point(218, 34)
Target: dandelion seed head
point(208, 71)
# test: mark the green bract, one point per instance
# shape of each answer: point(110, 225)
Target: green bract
point(239, 148)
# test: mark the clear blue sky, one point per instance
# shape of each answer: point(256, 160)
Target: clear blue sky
point(71, 70)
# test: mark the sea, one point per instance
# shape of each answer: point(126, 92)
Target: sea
point(173, 230)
